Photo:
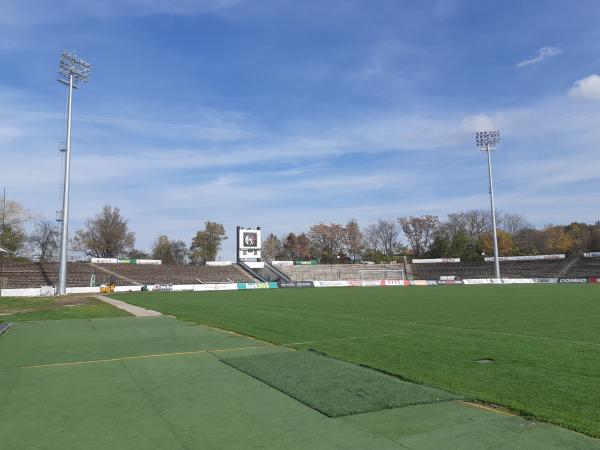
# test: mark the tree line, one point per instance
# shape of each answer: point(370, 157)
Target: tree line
point(465, 235)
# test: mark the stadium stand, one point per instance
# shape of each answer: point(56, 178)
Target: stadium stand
point(36, 274)
point(171, 274)
point(508, 269)
point(79, 274)
point(585, 267)
point(334, 272)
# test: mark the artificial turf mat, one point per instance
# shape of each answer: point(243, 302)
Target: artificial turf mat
point(334, 387)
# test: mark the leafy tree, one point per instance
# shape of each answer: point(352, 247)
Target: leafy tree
point(505, 244)
point(297, 246)
point(162, 250)
point(558, 240)
point(327, 240)
point(354, 239)
point(138, 254)
point(420, 232)
point(207, 243)
point(44, 240)
point(272, 247)
point(105, 235)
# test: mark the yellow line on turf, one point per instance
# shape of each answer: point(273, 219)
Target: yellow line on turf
point(158, 355)
point(487, 408)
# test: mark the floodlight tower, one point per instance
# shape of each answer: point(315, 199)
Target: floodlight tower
point(487, 141)
point(72, 72)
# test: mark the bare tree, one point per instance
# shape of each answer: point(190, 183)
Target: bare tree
point(13, 217)
point(420, 232)
point(514, 223)
point(44, 240)
point(179, 252)
point(383, 236)
point(105, 235)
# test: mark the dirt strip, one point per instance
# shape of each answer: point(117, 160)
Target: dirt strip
point(135, 310)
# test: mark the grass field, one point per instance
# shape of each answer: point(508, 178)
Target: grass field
point(18, 309)
point(161, 383)
point(544, 340)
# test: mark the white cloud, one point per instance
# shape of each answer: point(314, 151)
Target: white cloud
point(587, 88)
point(478, 122)
point(543, 53)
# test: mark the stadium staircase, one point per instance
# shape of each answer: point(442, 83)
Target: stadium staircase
point(272, 273)
point(115, 274)
point(254, 274)
point(570, 263)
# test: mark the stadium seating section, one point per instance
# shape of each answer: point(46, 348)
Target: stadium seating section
point(334, 272)
point(79, 274)
point(30, 274)
point(508, 269)
point(585, 267)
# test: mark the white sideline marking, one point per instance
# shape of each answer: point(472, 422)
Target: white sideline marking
point(137, 311)
point(501, 333)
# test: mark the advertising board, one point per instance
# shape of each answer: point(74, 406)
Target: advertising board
point(336, 283)
point(269, 285)
point(577, 280)
point(296, 284)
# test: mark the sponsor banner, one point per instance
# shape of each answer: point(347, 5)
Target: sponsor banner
point(216, 287)
point(594, 280)
point(154, 262)
point(545, 280)
point(436, 261)
point(432, 283)
point(104, 260)
point(526, 258)
point(477, 281)
point(161, 287)
point(450, 282)
point(573, 280)
point(183, 287)
point(312, 262)
point(296, 284)
point(371, 283)
point(282, 263)
point(336, 283)
point(355, 283)
point(592, 255)
point(219, 263)
point(517, 280)
point(83, 290)
point(20, 292)
point(418, 283)
point(395, 282)
point(269, 285)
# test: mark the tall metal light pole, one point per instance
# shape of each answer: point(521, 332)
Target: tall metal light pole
point(487, 141)
point(72, 71)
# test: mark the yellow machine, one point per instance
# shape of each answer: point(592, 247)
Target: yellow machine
point(108, 287)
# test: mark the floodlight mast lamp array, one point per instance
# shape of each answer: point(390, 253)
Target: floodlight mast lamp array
point(487, 141)
point(72, 71)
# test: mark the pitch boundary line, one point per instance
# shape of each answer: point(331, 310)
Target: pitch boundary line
point(501, 333)
point(158, 355)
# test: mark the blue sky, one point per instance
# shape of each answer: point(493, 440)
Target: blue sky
point(285, 114)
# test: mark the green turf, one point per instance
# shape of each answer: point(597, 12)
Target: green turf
point(18, 309)
point(192, 401)
point(545, 339)
point(333, 387)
